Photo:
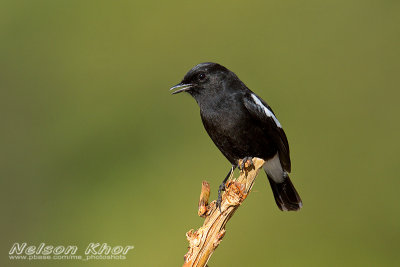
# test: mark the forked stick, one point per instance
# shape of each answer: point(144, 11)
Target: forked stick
point(204, 241)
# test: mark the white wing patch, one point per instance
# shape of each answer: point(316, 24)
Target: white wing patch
point(266, 110)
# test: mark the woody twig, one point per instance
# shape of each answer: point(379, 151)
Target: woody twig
point(204, 241)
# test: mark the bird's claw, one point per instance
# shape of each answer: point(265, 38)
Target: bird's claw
point(246, 162)
point(219, 199)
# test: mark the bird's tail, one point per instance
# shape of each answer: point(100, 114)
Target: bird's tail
point(286, 196)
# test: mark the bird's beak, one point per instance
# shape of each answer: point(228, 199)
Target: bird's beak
point(181, 87)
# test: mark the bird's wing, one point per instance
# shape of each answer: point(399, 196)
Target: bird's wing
point(262, 112)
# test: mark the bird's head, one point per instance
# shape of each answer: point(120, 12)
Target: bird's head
point(205, 80)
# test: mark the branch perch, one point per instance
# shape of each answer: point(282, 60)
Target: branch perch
point(204, 241)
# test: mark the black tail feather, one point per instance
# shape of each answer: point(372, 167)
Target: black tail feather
point(286, 196)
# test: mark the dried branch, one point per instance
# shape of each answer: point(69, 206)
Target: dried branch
point(204, 241)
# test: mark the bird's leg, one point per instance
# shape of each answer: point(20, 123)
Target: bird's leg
point(222, 187)
point(248, 160)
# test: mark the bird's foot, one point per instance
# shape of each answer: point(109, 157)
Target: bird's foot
point(219, 199)
point(246, 162)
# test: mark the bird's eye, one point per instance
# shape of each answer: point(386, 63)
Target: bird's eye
point(202, 76)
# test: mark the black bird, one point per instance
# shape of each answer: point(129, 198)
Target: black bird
point(242, 126)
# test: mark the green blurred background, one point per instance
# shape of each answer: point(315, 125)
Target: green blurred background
point(95, 149)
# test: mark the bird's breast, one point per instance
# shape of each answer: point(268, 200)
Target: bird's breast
point(235, 132)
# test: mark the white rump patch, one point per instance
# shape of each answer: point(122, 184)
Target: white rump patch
point(274, 169)
point(266, 110)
